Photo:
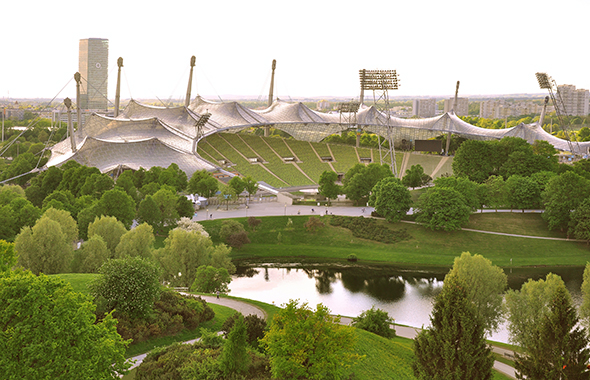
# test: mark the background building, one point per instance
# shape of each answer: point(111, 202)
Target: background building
point(499, 109)
point(462, 106)
point(94, 68)
point(424, 107)
point(575, 101)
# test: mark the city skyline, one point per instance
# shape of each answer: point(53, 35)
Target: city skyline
point(319, 47)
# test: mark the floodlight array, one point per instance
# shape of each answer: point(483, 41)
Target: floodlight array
point(378, 79)
point(349, 106)
point(544, 80)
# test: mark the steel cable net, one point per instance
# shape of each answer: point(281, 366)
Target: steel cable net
point(146, 136)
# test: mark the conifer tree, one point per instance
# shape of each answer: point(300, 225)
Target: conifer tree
point(235, 359)
point(454, 347)
point(561, 352)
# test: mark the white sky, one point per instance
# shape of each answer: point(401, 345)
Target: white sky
point(492, 47)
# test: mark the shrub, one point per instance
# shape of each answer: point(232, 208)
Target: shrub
point(352, 257)
point(253, 222)
point(313, 223)
point(370, 229)
point(233, 233)
point(255, 327)
point(376, 321)
point(130, 285)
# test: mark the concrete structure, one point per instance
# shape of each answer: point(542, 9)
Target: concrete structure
point(576, 102)
point(94, 67)
point(424, 107)
point(462, 106)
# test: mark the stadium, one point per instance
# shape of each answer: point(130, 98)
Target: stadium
point(203, 135)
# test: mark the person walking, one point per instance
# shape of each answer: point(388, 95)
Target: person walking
point(218, 294)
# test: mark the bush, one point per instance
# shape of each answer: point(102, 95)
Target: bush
point(255, 327)
point(172, 313)
point(376, 321)
point(352, 257)
point(130, 285)
point(370, 229)
point(313, 223)
point(233, 233)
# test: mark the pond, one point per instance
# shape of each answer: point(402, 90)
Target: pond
point(406, 293)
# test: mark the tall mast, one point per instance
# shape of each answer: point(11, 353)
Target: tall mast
point(118, 91)
point(272, 82)
point(68, 104)
point(187, 101)
point(78, 79)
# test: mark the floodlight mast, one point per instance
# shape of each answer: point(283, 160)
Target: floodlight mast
point(549, 84)
point(348, 112)
point(380, 82)
point(199, 129)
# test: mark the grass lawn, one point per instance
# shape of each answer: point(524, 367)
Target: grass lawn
point(79, 281)
point(273, 239)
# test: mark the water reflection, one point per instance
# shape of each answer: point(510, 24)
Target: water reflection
point(406, 295)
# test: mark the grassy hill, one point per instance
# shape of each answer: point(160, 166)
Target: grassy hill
point(424, 247)
point(288, 162)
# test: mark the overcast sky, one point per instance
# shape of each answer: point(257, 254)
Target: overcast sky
point(492, 47)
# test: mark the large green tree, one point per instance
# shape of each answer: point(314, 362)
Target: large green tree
point(307, 344)
point(234, 357)
point(442, 208)
point(328, 187)
point(138, 241)
point(50, 332)
point(203, 183)
point(485, 285)
point(454, 347)
point(119, 204)
point(44, 248)
point(110, 229)
point(563, 194)
point(391, 199)
point(555, 347)
point(522, 192)
point(415, 177)
point(360, 180)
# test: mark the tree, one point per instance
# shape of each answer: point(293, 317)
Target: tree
point(585, 306)
point(579, 226)
point(91, 255)
point(485, 284)
point(415, 177)
point(68, 225)
point(307, 344)
point(184, 207)
point(130, 286)
point(522, 192)
point(110, 229)
point(138, 241)
point(210, 279)
point(468, 189)
point(328, 187)
point(250, 185)
point(376, 321)
point(255, 327)
point(50, 332)
point(44, 248)
point(7, 256)
point(528, 307)
point(233, 233)
point(96, 185)
point(442, 208)
point(119, 204)
point(149, 212)
point(557, 349)
point(360, 180)
point(166, 200)
point(185, 251)
point(226, 194)
point(454, 347)
point(203, 183)
point(563, 194)
point(472, 160)
point(237, 185)
point(391, 199)
point(234, 357)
